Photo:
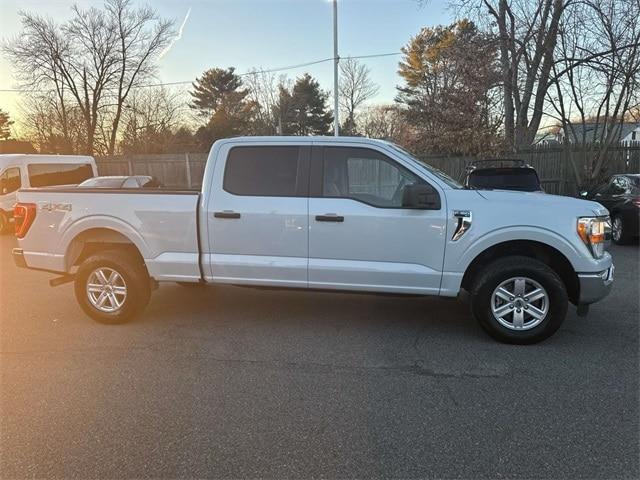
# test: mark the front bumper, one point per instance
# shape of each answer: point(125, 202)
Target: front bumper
point(18, 258)
point(595, 286)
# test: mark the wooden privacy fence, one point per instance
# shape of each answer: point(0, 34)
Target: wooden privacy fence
point(174, 170)
point(553, 164)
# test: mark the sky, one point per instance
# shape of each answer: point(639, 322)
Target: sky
point(264, 34)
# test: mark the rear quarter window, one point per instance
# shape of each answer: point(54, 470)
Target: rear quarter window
point(50, 174)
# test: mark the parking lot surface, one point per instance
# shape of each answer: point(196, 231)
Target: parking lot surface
point(232, 382)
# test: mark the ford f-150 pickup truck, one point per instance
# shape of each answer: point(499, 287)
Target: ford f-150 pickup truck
point(341, 214)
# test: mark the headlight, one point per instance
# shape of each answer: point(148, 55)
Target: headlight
point(595, 232)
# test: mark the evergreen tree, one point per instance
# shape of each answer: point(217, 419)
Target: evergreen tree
point(303, 110)
point(213, 88)
point(5, 125)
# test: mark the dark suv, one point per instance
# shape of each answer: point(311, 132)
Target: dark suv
point(621, 196)
point(502, 174)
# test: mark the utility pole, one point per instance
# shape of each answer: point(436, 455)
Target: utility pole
point(336, 61)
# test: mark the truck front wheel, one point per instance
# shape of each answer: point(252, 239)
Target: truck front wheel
point(112, 286)
point(519, 300)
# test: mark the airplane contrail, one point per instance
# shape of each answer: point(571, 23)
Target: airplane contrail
point(178, 36)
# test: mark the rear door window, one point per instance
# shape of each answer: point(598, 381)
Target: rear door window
point(49, 174)
point(265, 172)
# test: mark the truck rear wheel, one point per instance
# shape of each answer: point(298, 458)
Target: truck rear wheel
point(112, 286)
point(519, 300)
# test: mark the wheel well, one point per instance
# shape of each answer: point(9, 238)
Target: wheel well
point(95, 240)
point(527, 248)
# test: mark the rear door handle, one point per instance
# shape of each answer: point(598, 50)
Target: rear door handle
point(329, 218)
point(226, 215)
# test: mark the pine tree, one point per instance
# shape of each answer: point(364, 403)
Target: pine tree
point(5, 125)
point(211, 90)
point(303, 110)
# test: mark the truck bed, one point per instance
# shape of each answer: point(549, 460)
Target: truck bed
point(162, 224)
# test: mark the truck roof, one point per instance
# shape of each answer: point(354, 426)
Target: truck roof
point(302, 140)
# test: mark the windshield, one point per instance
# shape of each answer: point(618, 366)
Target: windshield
point(438, 173)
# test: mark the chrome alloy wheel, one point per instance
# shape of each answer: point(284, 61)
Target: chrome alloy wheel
point(616, 229)
point(106, 289)
point(520, 303)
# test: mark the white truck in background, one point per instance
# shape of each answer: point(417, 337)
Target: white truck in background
point(341, 214)
point(25, 170)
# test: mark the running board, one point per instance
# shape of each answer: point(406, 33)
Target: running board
point(56, 282)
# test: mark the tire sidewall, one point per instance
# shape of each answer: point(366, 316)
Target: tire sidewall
point(134, 277)
point(622, 239)
point(520, 267)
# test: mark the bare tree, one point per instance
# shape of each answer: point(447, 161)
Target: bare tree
point(596, 78)
point(386, 122)
point(43, 124)
point(264, 92)
point(150, 118)
point(356, 87)
point(90, 62)
point(41, 56)
point(141, 38)
point(527, 36)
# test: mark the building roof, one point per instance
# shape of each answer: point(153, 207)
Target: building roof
point(593, 131)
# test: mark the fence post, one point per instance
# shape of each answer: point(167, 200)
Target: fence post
point(188, 165)
point(130, 166)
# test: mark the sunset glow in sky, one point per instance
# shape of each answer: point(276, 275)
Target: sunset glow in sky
point(259, 34)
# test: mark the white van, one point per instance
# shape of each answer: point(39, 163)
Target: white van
point(24, 171)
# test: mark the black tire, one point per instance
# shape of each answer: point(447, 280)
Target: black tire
point(624, 236)
point(136, 281)
point(513, 267)
point(4, 223)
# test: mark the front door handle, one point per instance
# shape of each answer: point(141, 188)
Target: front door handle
point(226, 214)
point(329, 218)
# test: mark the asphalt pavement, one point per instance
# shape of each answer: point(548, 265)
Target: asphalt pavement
point(230, 382)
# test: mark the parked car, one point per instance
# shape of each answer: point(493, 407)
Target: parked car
point(502, 174)
point(621, 196)
point(23, 171)
point(124, 181)
point(324, 213)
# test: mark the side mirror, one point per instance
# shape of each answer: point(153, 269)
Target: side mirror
point(421, 196)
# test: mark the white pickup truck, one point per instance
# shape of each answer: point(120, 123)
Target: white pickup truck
point(323, 213)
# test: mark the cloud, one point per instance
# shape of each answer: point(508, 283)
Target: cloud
point(178, 36)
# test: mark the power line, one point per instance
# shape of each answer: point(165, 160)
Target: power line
point(252, 72)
